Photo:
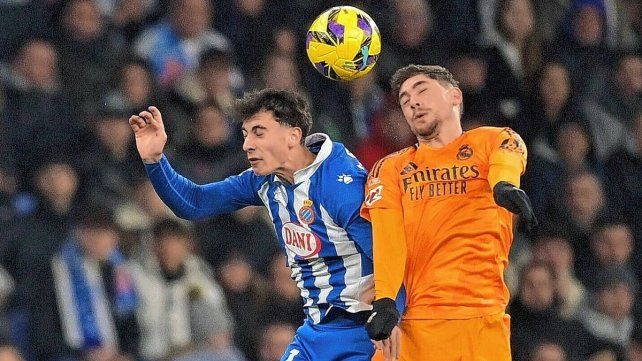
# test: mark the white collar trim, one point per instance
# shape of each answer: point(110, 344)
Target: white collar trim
point(304, 174)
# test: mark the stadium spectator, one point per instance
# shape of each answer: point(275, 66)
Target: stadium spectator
point(611, 246)
point(174, 45)
point(583, 204)
point(113, 148)
point(29, 243)
point(548, 351)
point(209, 152)
point(347, 112)
point(251, 25)
point(53, 162)
point(275, 339)
point(608, 317)
point(97, 299)
point(283, 304)
point(247, 231)
point(614, 101)
point(553, 247)
point(389, 132)
point(129, 17)
point(551, 167)
point(411, 38)
point(624, 168)
point(246, 293)
point(216, 80)
point(535, 316)
point(552, 102)
point(581, 44)
point(513, 61)
point(135, 87)
point(182, 310)
point(470, 67)
point(89, 54)
point(429, 262)
point(38, 115)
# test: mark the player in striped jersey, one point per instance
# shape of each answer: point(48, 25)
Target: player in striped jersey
point(313, 189)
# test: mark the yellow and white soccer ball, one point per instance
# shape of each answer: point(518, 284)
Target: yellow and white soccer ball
point(343, 43)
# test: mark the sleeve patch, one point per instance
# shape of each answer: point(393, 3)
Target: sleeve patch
point(513, 143)
point(374, 195)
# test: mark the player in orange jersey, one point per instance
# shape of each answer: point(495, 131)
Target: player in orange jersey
point(442, 218)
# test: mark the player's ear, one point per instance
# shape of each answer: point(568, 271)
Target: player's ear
point(295, 135)
point(456, 96)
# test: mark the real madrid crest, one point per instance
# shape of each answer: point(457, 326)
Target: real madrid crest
point(306, 213)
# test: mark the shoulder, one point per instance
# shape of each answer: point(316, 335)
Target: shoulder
point(392, 161)
point(487, 131)
point(341, 160)
point(493, 134)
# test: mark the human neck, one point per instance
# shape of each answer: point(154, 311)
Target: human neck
point(445, 134)
point(297, 160)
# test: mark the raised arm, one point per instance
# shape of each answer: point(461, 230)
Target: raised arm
point(185, 198)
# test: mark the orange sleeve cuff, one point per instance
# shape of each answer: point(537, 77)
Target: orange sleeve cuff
point(504, 172)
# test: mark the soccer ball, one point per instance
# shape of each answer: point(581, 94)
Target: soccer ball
point(343, 43)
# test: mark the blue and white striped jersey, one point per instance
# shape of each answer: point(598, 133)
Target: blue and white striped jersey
point(327, 244)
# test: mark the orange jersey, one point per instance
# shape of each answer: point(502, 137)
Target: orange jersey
point(437, 227)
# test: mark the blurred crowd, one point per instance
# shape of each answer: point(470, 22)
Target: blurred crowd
point(94, 267)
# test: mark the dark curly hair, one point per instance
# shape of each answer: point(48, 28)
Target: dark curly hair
point(288, 107)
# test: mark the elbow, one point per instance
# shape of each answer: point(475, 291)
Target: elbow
point(186, 214)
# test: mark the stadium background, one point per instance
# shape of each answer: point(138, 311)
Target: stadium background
point(565, 74)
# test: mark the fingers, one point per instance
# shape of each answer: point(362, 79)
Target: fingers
point(395, 342)
point(156, 114)
point(147, 117)
point(136, 123)
point(386, 349)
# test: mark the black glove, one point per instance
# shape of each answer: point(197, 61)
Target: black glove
point(383, 319)
point(516, 201)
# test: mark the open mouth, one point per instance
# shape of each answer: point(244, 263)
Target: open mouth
point(419, 115)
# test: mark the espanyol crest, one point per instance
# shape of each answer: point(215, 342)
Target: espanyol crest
point(301, 241)
point(306, 213)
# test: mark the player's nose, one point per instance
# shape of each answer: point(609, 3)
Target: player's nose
point(248, 145)
point(414, 103)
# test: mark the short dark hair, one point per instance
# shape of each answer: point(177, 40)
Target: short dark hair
point(288, 107)
point(435, 72)
point(169, 227)
point(96, 218)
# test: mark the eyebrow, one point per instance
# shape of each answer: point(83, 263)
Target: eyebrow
point(416, 84)
point(261, 127)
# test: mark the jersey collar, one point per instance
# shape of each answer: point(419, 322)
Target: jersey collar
point(321, 145)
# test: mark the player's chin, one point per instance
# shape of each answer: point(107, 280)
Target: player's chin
point(427, 130)
point(260, 170)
